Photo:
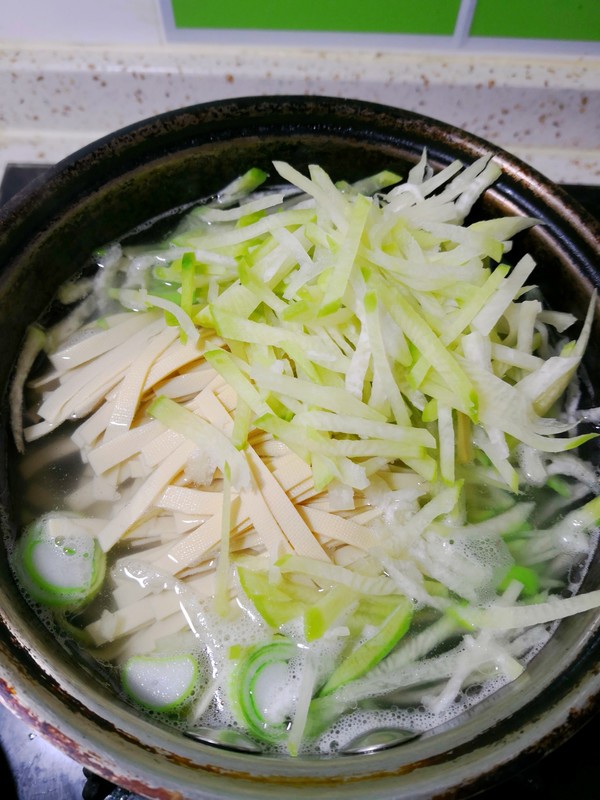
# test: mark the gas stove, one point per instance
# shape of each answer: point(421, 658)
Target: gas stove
point(31, 768)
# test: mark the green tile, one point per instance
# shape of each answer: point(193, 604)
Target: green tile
point(435, 17)
point(538, 19)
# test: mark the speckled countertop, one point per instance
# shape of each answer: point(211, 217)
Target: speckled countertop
point(544, 109)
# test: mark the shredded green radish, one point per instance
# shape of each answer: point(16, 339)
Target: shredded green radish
point(332, 456)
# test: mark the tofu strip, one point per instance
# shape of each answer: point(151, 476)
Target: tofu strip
point(145, 496)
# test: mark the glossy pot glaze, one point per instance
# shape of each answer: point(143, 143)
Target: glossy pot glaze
point(98, 195)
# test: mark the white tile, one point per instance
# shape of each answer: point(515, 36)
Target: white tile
point(105, 22)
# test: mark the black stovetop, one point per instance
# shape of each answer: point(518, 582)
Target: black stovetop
point(33, 769)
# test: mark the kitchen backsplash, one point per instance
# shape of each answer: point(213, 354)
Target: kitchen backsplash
point(549, 25)
point(461, 20)
point(524, 74)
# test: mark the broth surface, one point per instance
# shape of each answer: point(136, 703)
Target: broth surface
point(291, 469)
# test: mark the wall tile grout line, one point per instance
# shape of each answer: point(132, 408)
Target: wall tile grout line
point(464, 20)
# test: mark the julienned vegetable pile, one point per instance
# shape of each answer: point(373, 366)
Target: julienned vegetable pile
point(329, 459)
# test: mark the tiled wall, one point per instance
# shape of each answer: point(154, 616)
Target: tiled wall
point(529, 25)
point(533, 19)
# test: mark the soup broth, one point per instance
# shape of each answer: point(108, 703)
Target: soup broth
point(312, 464)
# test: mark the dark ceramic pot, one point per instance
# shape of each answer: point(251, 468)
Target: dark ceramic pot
point(105, 190)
